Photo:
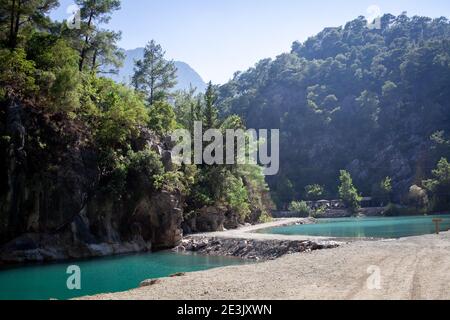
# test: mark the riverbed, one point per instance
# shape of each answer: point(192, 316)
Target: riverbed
point(408, 268)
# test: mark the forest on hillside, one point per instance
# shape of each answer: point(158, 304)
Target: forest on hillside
point(84, 156)
point(86, 160)
point(373, 102)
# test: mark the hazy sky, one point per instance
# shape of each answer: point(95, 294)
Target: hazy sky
point(219, 37)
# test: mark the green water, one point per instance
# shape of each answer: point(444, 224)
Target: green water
point(397, 227)
point(104, 275)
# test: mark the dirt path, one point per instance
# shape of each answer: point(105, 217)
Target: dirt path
point(250, 232)
point(410, 268)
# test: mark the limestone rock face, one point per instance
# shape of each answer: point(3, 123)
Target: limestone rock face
point(159, 219)
point(208, 219)
point(51, 207)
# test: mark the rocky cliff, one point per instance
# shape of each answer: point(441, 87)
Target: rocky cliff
point(54, 204)
point(373, 102)
point(51, 207)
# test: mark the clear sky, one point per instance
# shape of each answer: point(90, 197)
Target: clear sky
point(219, 37)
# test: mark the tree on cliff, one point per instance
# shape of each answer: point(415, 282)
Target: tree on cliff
point(72, 114)
point(382, 191)
point(91, 40)
point(162, 118)
point(105, 52)
point(439, 186)
point(348, 192)
point(154, 75)
point(17, 14)
point(210, 111)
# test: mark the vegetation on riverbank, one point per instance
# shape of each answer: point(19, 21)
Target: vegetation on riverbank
point(362, 111)
point(373, 102)
point(60, 114)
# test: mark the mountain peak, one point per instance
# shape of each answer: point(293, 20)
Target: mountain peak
point(186, 75)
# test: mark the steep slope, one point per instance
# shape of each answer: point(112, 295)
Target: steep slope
point(353, 98)
point(52, 205)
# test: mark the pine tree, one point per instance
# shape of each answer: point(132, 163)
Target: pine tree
point(105, 52)
point(348, 192)
point(17, 14)
point(154, 75)
point(210, 112)
point(93, 13)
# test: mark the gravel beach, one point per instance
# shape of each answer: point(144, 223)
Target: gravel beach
point(409, 268)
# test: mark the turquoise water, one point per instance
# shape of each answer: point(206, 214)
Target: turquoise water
point(397, 227)
point(106, 275)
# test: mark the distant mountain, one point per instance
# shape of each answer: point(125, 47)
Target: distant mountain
point(186, 76)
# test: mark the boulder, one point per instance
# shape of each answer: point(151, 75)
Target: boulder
point(251, 249)
point(207, 219)
point(149, 283)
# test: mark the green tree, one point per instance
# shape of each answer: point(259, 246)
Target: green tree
point(368, 107)
point(94, 13)
point(19, 14)
point(439, 138)
point(349, 92)
point(210, 110)
point(17, 75)
point(188, 108)
point(383, 190)
point(154, 75)
point(284, 192)
point(314, 192)
point(114, 111)
point(300, 207)
point(106, 56)
point(236, 195)
point(439, 186)
point(348, 192)
point(257, 188)
point(57, 76)
point(162, 119)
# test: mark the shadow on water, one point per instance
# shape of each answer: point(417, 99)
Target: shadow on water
point(103, 275)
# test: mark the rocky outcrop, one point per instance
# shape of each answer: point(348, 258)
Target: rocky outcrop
point(51, 204)
point(249, 249)
point(211, 219)
point(38, 247)
point(208, 219)
point(54, 204)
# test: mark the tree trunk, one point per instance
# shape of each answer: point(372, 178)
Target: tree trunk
point(86, 42)
point(12, 42)
point(152, 89)
point(17, 26)
point(94, 62)
point(151, 97)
